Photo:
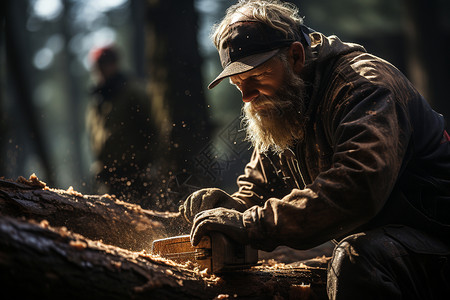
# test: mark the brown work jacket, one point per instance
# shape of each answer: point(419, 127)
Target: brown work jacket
point(374, 153)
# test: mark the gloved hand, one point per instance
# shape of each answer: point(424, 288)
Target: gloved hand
point(206, 199)
point(227, 221)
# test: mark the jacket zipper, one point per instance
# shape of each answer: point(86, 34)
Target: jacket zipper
point(300, 164)
point(295, 169)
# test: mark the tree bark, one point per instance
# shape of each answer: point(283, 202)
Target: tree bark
point(60, 244)
point(98, 217)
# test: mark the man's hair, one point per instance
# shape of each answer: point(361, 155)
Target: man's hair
point(282, 16)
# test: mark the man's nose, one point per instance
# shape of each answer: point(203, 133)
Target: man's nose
point(249, 92)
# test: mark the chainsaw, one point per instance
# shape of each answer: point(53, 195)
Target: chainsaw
point(216, 252)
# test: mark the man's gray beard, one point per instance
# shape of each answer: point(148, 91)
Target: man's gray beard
point(282, 124)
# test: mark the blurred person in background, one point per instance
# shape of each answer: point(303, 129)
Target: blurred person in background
point(121, 129)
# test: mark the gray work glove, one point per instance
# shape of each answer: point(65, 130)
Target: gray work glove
point(227, 221)
point(206, 199)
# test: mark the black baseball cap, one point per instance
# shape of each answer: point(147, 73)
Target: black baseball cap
point(249, 44)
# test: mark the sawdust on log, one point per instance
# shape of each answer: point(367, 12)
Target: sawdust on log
point(32, 181)
point(190, 266)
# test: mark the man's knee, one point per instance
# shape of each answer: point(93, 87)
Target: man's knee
point(357, 261)
point(389, 263)
point(346, 253)
point(362, 247)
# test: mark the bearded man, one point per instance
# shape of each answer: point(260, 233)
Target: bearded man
point(345, 149)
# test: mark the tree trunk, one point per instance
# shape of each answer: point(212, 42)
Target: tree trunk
point(60, 244)
point(176, 86)
point(19, 64)
point(428, 47)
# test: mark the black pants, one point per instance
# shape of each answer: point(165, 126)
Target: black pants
point(393, 262)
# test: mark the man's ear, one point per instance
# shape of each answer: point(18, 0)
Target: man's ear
point(297, 56)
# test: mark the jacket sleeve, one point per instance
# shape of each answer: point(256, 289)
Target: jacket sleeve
point(369, 132)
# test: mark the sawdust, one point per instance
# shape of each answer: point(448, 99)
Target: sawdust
point(211, 279)
point(159, 259)
point(72, 192)
point(32, 181)
point(116, 264)
point(169, 272)
point(44, 224)
point(77, 244)
point(272, 264)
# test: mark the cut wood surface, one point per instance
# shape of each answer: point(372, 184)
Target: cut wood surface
point(57, 244)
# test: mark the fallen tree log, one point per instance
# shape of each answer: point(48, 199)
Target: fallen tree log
point(38, 261)
point(98, 217)
point(41, 260)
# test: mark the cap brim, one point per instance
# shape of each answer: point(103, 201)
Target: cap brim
point(243, 65)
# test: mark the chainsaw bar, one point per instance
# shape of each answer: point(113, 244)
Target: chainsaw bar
point(180, 250)
point(216, 252)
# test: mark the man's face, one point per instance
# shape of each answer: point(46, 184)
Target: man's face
point(264, 80)
point(274, 104)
